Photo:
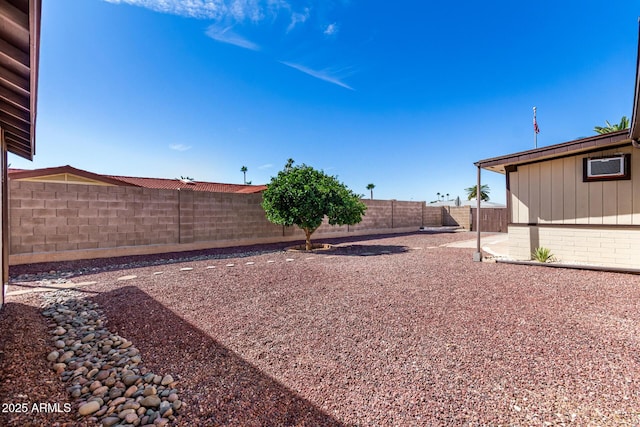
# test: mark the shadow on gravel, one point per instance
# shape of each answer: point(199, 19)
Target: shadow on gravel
point(218, 386)
point(366, 250)
point(87, 266)
point(26, 375)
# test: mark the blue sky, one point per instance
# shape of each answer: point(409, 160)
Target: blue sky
point(405, 95)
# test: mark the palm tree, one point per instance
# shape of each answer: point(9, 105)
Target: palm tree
point(624, 124)
point(370, 187)
point(438, 193)
point(472, 192)
point(244, 171)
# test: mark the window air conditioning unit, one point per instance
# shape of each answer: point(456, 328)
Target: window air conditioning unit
point(606, 168)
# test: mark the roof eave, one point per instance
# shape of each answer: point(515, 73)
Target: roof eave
point(35, 15)
point(498, 164)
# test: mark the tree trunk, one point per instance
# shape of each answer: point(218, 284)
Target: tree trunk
point(308, 242)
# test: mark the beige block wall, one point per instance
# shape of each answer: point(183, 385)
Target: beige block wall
point(48, 217)
point(611, 247)
point(58, 221)
point(457, 215)
point(432, 216)
point(228, 216)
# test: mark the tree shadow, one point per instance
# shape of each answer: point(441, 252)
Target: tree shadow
point(87, 266)
point(365, 250)
point(218, 386)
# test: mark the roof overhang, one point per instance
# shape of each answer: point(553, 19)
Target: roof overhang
point(584, 145)
point(19, 55)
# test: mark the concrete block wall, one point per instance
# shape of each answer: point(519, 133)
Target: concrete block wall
point(432, 216)
point(378, 215)
point(607, 246)
point(229, 216)
point(457, 215)
point(53, 217)
point(57, 221)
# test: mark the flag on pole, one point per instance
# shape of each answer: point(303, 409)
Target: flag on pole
point(536, 129)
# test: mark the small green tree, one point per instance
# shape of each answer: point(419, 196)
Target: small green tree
point(624, 124)
point(472, 192)
point(303, 196)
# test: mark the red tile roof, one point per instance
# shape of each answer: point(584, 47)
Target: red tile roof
point(175, 184)
point(161, 183)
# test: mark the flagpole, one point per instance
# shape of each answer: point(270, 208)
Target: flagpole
point(535, 134)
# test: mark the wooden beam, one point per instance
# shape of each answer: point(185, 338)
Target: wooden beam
point(18, 146)
point(10, 97)
point(14, 56)
point(18, 113)
point(15, 24)
point(7, 119)
point(18, 133)
point(14, 82)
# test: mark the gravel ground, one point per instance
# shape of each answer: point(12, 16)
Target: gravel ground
point(379, 332)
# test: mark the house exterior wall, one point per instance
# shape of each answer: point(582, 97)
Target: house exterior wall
point(58, 221)
point(552, 192)
point(594, 222)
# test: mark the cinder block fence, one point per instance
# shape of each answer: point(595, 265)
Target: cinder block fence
point(58, 221)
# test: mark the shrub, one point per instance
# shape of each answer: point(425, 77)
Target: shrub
point(542, 254)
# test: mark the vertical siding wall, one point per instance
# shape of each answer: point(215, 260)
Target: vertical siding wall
point(552, 192)
point(583, 222)
point(55, 218)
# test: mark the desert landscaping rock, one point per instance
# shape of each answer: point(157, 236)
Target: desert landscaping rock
point(413, 338)
point(103, 370)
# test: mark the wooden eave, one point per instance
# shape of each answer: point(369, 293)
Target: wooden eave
point(19, 55)
point(593, 143)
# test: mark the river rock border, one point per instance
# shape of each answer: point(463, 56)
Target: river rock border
point(103, 370)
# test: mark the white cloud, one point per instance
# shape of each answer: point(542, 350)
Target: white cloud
point(331, 30)
point(298, 18)
point(210, 9)
point(220, 10)
point(227, 35)
point(180, 147)
point(267, 166)
point(325, 75)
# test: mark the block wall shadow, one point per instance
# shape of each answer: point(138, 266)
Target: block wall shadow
point(218, 386)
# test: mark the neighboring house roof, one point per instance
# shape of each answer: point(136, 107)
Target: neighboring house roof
point(73, 175)
point(19, 55)
point(175, 184)
point(584, 145)
point(472, 203)
point(62, 174)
